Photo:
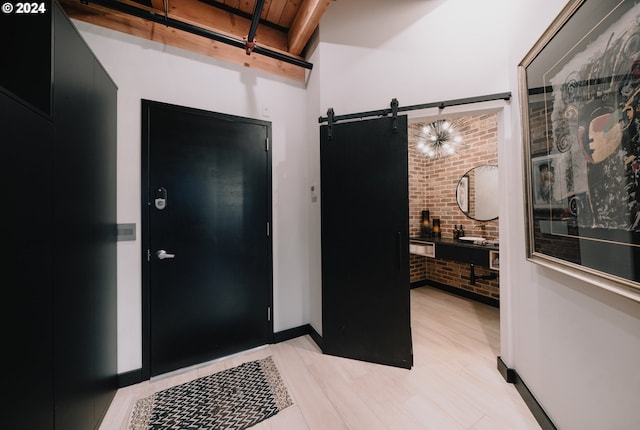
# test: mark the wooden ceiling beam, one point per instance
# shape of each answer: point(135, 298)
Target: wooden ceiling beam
point(201, 14)
point(305, 23)
point(139, 27)
point(157, 4)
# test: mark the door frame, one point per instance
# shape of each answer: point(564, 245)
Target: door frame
point(145, 204)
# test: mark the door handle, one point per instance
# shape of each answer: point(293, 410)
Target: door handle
point(399, 241)
point(162, 254)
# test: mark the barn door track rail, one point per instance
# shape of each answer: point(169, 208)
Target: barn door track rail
point(394, 108)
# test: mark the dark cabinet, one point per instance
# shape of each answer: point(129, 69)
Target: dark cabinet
point(84, 108)
point(462, 253)
point(59, 172)
point(26, 57)
point(27, 266)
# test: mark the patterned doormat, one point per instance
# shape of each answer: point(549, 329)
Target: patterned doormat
point(232, 399)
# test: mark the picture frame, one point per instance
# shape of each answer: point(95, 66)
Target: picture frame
point(548, 181)
point(580, 94)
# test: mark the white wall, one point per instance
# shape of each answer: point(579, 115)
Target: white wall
point(149, 70)
point(415, 51)
point(576, 346)
point(313, 168)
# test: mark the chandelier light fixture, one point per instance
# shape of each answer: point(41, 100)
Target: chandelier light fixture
point(439, 139)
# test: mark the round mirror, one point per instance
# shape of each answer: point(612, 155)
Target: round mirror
point(477, 193)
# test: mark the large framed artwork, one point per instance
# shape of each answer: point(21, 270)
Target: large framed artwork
point(580, 92)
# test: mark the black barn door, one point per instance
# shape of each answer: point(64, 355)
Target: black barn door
point(207, 198)
point(365, 250)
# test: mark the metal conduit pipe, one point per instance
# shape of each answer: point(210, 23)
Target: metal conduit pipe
point(250, 44)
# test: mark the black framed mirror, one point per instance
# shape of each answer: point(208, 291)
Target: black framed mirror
point(477, 193)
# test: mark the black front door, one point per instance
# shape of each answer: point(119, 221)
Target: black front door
point(365, 249)
point(206, 209)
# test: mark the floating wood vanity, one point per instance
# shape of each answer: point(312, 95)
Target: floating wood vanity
point(487, 255)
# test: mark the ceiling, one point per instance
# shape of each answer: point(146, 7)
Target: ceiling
point(223, 29)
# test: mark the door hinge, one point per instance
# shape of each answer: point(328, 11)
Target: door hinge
point(268, 229)
point(148, 255)
point(266, 144)
point(269, 313)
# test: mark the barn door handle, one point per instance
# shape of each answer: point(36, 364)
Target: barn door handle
point(162, 254)
point(399, 240)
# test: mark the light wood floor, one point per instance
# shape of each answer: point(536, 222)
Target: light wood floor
point(453, 385)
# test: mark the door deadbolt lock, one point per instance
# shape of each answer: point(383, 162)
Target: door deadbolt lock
point(160, 198)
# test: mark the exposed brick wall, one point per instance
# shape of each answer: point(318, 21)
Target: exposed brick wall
point(432, 186)
point(540, 140)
